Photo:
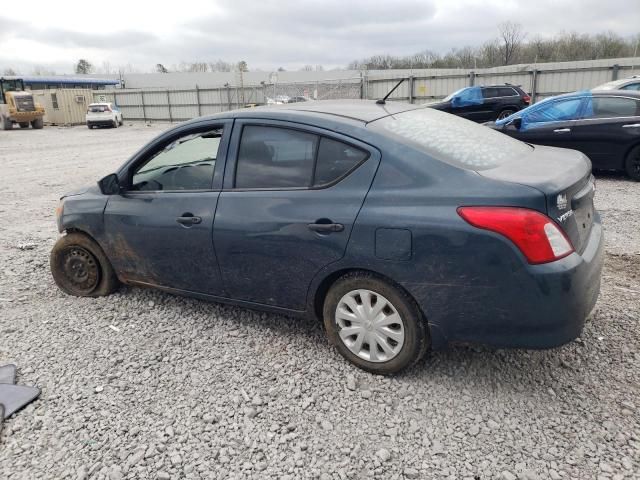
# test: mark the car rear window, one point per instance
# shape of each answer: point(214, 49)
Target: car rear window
point(452, 139)
point(98, 108)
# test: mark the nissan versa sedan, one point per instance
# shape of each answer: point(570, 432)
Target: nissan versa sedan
point(402, 228)
point(604, 125)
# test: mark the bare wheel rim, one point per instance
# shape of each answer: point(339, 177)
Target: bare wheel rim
point(505, 114)
point(369, 326)
point(80, 269)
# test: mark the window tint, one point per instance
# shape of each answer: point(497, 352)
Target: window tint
point(490, 92)
point(335, 159)
point(185, 164)
point(632, 86)
point(608, 107)
point(555, 111)
point(272, 157)
point(507, 92)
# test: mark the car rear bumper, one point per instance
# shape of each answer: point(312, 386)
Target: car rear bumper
point(100, 123)
point(538, 306)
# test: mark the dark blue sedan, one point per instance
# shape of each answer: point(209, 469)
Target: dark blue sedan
point(403, 228)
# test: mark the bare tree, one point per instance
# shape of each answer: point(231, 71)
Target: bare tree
point(220, 66)
point(512, 36)
point(9, 71)
point(307, 68)
point(160, 68)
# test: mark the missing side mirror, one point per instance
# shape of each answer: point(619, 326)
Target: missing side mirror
point(109, 185)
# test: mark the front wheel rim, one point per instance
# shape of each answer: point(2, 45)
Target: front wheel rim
point(505, 114)
point(80, 269)
point(370, 326)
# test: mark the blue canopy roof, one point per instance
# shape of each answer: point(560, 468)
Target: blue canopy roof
point(62, 80)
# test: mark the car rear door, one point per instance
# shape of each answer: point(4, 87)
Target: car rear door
point(609, 127)
point(290, 198)
point(159, 229)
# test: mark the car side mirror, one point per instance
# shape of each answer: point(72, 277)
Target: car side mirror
point(109, 185)
point(516, 122)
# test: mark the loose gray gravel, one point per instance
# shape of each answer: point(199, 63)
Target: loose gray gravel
point(186, 389)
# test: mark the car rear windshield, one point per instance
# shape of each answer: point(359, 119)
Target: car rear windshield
point(452, 139)
point(98, 108)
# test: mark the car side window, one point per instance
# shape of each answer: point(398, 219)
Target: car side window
point(274, 157)
point(490, 92)
point(632, 86)
point(336, 159)
point(555, 111)
point(612, 107)
point(186, 163)
point(507, 92)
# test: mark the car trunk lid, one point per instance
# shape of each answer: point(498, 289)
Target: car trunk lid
point(564, 177)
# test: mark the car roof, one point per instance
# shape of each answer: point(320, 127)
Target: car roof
point(616, 93)
point(359, 110)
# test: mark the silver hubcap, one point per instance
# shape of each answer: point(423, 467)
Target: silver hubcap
point(369, 325)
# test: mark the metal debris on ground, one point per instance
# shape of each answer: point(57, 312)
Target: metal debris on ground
point(14, 397)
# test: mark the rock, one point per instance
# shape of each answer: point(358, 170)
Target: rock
point(99, 389)
point(507, 475)
point(136, 457)
point(474, 430)
point(366, 394)
point(82, 473)
point(411, 473)
point(351, 382)
point(256, 401)
point(163, 476)
point(326, 425)
point(383, 454)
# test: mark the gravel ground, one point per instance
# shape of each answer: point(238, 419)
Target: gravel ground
point(147, 385)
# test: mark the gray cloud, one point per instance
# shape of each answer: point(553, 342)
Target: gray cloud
point(273, 33)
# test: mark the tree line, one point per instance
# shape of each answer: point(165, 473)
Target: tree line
point(512, 46)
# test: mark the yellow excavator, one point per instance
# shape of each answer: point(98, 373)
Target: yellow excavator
point(18, 106)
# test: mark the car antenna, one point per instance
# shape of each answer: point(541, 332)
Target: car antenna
point(382, 101)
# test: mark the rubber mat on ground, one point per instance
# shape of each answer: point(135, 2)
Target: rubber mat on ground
point(14, 397)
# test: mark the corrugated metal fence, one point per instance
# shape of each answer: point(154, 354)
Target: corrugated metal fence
point(183, 104)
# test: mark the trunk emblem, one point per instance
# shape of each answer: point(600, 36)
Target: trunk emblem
point(562, 201)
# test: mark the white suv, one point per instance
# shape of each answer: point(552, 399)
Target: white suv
point(103, 114)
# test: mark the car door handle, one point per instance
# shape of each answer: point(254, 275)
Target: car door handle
point(188, 219)
point(562, 130)
point(631, 125)
point(326, 227)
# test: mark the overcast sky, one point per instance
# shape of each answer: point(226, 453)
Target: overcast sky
point(289, 33)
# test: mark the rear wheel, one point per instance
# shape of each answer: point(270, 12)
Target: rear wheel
point(80, 267)
point(38, 123)
point(632, 163)
point(89, 126)
point(121, 122)
point(24, 124)
point(114, 124)
point(374, 324)
point(505, 113)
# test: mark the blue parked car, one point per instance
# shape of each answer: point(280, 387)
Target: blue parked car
point(403, 228)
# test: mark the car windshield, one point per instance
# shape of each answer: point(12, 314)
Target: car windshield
point(452, 139)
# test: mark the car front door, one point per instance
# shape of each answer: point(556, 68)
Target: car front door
point(551, 124)
point(609, 127)
point(291, 197)
point(159, 229)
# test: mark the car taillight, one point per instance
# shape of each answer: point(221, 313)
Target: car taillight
point(537, 236)
point(526, 99)
point(107, 109)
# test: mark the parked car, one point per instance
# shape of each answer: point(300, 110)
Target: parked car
point(103, 115)
point(631, 83)
point(604, 125)
point(484, 104)
point(401, 227)
point(299, 99)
